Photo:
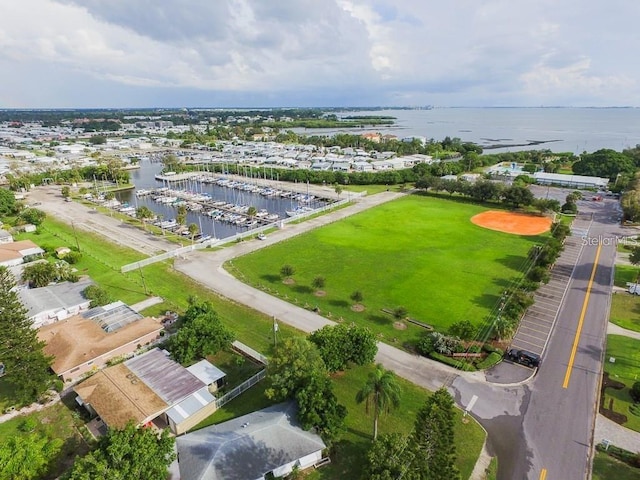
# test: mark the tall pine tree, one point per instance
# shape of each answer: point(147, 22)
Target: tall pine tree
point(26, 365)
point(433, 442)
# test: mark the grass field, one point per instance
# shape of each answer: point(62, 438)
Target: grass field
point(626, 369)
point(625, 311)
point(608, 468)
point(624, 274)
point(102, 261)
point(419, 252)
point(347, 459)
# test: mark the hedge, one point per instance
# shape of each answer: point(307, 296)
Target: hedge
point(459, 364)
point(492, 359)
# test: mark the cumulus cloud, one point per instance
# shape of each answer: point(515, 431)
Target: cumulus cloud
point(495, 52)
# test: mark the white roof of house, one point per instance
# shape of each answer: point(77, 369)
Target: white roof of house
point(206, 372)
point(190, 405)
point(247, 447)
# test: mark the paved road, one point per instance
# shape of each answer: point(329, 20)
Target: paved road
point(86, 219)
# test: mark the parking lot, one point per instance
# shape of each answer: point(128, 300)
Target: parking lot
point(534, 330)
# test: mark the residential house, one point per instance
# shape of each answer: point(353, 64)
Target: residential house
point(362, 167)
point(53, 303)
point(5, 237)
point(14, 253)
point(151, 388)
point(87, 341)
point(263, 444)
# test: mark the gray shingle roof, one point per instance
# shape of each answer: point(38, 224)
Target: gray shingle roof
point(246, 447)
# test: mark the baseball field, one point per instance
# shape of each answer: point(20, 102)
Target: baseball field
point(422, 253)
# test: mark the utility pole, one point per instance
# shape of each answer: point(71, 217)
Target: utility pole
point(75, 234)
point(275, 332)
point(144, 285)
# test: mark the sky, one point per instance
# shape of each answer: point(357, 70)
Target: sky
point(303, 53)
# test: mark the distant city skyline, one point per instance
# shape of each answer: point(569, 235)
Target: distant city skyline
point(317, 53)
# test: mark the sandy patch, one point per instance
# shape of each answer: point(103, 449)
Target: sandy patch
point(288, 281)
point(357, 308)
point(320, 293)
point(509, 222)
point(399, 325)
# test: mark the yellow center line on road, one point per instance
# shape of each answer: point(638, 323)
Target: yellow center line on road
point(576, 339)
point(543, 474)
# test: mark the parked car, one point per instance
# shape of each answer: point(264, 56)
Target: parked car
point(524, 357)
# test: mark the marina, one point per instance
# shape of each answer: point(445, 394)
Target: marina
point(219, 205)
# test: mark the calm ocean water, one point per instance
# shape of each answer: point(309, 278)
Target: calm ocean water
point(562, 129)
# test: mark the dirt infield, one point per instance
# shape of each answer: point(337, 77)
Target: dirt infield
point(516, 223)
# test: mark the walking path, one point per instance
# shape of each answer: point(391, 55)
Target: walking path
point(149, 302)
point(617, 434)
point(613, 329)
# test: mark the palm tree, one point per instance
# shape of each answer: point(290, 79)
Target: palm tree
point(143, 214)
point(318, 282)
point(382, 392)
point(357, 296)
point(193, 230)
point(400, 313)
point(182, 215)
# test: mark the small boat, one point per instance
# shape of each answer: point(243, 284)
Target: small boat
point(298, 211)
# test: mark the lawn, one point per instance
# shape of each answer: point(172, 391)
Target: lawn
point(625, 369)
point(419, 252)
point(491, 473)
point(625, 311)
point(373, 189)
point(56, 421)
point(608, 468)
point(236, 367)
point(625, 274)
point(102, 260)
point(347, 458)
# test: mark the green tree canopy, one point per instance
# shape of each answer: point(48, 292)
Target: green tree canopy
point(318, 407)
point(604, 163)
point(433, 441)
point(128, 454)
point(98, 296)
point(7, 202)
point(389, 458)
point(33, 216)
point(201, 333)
point(144, 213)
point(25, 457)
point(517, 196)
point(295, 361)
point(342, 344)
point(26, 365)
point(39, 274)
point(287, 271)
